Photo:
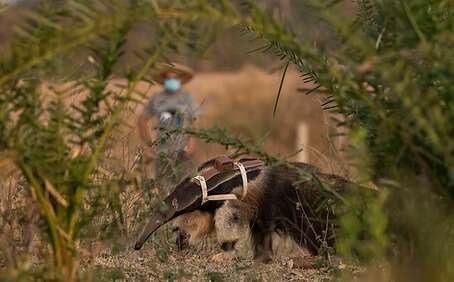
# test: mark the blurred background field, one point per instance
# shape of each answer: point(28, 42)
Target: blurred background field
point(235, 88)
point(243, 100)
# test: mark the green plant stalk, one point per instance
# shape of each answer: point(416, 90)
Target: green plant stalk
point(49, 215)
point(63, 239)
point(80, 191)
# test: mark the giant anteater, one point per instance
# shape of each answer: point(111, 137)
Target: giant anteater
point(276, 202)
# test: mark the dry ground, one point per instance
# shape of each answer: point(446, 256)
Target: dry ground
point(205, 263)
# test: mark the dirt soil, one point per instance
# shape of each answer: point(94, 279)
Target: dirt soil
point(203, 264)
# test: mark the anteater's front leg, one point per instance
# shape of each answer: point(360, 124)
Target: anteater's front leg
point(263, 246)
point(182, 240)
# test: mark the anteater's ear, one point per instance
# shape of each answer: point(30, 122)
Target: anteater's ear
point(236, 203)
point(238, 192)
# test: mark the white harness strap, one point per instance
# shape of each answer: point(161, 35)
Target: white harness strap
point(243, 177)
point(206, 198)
point(222, 197)
point(203, 186)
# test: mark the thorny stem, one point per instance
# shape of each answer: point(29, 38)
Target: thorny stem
point(80, 192)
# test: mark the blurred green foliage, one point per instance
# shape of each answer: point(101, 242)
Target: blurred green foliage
point(388, 71)
point(215, 276)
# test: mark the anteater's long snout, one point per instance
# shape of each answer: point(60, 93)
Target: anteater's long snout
point(156, 221)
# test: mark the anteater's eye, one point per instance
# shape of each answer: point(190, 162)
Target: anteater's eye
point(235, 217)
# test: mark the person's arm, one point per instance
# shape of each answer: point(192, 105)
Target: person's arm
point(194, 113)
point(143, 128)
point(190, 148)
point(146, 137)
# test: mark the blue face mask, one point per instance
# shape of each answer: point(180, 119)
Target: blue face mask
point(172, 84)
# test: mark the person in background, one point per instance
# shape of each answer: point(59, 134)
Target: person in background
point(173, 107)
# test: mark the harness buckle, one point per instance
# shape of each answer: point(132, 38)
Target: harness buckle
point(223, 163)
